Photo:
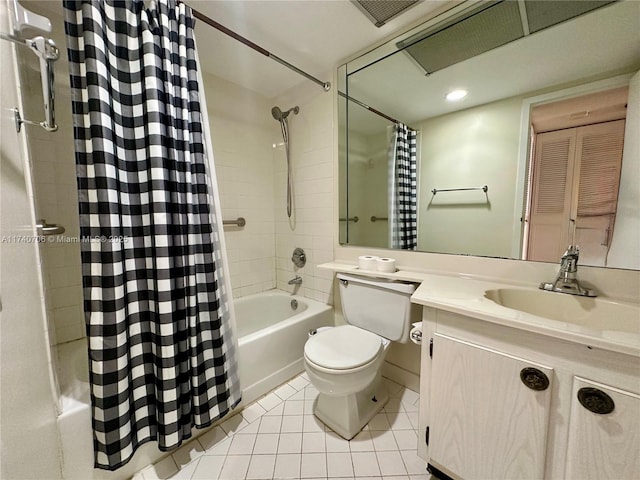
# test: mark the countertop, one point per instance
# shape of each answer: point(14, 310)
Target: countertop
point(465, 295)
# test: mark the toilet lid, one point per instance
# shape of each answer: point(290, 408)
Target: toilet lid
point(343, 347)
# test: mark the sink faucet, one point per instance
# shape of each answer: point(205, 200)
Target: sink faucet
point(566, 281)
point(297, 280)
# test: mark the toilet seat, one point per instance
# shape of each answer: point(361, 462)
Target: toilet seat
point(343, 348)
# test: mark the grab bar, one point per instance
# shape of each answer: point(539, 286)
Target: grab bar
point(238, 222)
point(45, 228)
point(350, 219)
point(484, 188)
point(378, 219)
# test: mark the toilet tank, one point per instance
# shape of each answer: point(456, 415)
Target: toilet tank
point(378, 305)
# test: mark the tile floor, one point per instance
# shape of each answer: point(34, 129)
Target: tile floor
point(279, 437)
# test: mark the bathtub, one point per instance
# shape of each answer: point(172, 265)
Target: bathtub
point(271, 336)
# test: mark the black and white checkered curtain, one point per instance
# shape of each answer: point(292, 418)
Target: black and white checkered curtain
point(403, 194)
point(162, 353)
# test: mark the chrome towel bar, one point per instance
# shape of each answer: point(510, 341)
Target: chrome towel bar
point(484, 188)
point(350, 219)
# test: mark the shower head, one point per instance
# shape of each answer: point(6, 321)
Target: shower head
point(280, 115)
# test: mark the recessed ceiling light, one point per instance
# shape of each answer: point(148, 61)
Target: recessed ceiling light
point(456, 95)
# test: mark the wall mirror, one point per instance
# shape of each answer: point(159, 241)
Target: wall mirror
point(540, 153)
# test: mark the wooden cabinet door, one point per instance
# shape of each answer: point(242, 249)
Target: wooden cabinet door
point(603, 446)
point(484, 422)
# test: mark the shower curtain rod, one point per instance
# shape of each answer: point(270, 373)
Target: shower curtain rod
point(373, 110)
point(201, 16)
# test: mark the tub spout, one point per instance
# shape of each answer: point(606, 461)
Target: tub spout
point(297, 280)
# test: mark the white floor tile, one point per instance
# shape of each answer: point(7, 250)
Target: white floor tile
point(362, 442)
point(414, 464)
point(233, 424)
point(299, 383)
point(308, 407)
point(209, 467)
point(339, 465)
point(235, 467)
point(393, 405)
point(270, 424)
point(298, 396)
point(220, 448)
point(212, 437)
point(285, 391)
point(312, 424)
point(313, 465)
point(185, 472)
point(290, 443)
point(293, 407)
point(313, 442)
point(266, 443)
point(384, 440)
point(399, 421)
point(335, 443)
point(187, 453)
point(409, 397)
point(287, 466)
point(277, 410)
point(391, 463)
point(392, 387)
point(242, 444)
point(414, 418)
point(253, 412)
point(365, 464)
point(270, 401)
point(406, 439)
point(165, 468)
point(261, 467)
point(291, 423)
point(379, 422)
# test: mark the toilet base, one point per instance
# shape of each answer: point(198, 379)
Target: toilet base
point(348, 414)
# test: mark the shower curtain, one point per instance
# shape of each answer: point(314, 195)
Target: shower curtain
point(403, 194)
point(161, 350)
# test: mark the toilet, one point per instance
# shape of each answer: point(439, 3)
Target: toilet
point(344, 362)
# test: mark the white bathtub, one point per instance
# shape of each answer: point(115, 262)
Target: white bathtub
point(271, 339)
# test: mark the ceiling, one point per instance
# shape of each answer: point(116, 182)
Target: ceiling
point(313, 35)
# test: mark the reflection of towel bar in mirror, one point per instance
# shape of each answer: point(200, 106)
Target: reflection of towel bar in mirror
point(377, 219)
point(484, 188)
point(350, 219)
point(238, 222)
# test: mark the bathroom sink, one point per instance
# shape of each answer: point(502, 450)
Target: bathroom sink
point(594, 313)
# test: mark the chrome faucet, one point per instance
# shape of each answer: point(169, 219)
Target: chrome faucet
point(297, 280)
point(566, 281)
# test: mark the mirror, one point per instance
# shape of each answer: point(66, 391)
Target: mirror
point(476, 188)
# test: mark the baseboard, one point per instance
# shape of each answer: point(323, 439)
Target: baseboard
point(401, 376)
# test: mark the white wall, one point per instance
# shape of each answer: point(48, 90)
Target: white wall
point(54, 178)
point(242, 131)
point(625, 246)
point(469, 148)
point(28, 433)
point(313, 224)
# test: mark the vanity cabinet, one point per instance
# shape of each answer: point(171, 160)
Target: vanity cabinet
point(489, 424)
point(603, 445)
point(481, 421)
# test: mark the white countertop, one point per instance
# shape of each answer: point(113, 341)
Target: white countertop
point(465, 295)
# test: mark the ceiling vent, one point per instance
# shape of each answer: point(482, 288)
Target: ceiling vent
point(381, 11)
point(489, 26)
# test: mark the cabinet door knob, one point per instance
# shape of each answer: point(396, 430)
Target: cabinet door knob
point(595, 400)
point(534, 379)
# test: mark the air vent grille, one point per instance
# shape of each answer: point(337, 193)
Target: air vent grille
point(489, 26)
point(381, 11)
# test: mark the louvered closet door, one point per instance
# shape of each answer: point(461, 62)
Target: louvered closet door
point(599, 161)
point(551, 195)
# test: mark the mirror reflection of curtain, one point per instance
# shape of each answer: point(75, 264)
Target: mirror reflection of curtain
point(403, 208)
